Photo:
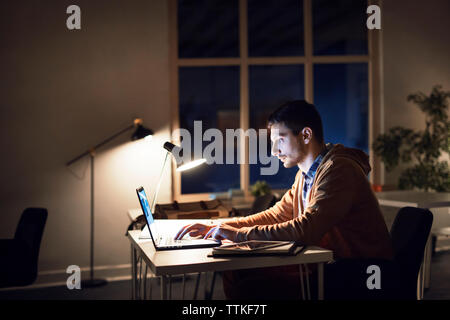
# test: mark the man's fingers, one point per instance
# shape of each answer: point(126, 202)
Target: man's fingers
point(195, 229)
point(221, 233)
point(183, 231)
point(178, 233)
point(215, 233)
point(210, 232)
point(195, 233)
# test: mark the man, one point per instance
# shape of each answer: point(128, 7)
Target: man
point(330, 204)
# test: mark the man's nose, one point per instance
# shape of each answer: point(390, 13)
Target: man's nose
point(275, 150)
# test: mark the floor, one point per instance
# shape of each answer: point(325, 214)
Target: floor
point(121, 290)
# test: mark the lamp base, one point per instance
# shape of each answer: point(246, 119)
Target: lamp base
point(93, 283)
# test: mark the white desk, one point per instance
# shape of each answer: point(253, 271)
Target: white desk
point(418, 199)
point(176, 262)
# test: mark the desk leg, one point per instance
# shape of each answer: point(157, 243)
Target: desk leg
point(308, 290)
point(139, 278)
point(184, 285)
point(164, 283)
point(145, 282)
point(320, 281)
point(133, 273)
point(197, 283)
point(170, 288)
point(302, 286)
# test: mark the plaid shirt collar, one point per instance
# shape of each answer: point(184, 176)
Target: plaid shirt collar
point(309, 176)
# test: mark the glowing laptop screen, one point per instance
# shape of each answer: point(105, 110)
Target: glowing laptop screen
point(148, 212)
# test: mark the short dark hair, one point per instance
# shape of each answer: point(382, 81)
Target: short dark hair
point(296, 115)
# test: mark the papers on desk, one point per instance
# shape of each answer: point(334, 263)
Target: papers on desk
point(255, 247)
point(145, 234)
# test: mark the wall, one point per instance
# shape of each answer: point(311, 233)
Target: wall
point(416, 55)
point(62, 92)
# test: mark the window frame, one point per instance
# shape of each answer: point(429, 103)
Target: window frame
point(373, 60)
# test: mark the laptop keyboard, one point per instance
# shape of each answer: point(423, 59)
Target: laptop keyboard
point(169, 242)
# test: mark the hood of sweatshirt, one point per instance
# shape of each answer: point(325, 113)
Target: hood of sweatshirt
point(359, 156)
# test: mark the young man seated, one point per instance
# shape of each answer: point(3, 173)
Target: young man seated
point(330, 205)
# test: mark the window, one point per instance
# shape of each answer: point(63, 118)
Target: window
point(279, 36)
point(340, 94)
point(234, 62)
point(208, 28)
point(339, 27)
point(209, 95)
point(286, 82)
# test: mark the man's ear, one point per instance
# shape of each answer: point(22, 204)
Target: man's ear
point(306, 135)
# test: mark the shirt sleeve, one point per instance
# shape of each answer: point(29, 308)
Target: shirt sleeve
point(331, 200)
point(282, 211)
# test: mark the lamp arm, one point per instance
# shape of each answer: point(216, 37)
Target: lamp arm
point(159, 183)
point(91, 150)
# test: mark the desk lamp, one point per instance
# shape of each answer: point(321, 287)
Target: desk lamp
point(176, 152)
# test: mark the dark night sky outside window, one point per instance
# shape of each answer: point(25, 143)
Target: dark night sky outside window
point(339, 27)
point(275, 28)
point(208, 28)
point(340, 95)
point(285, 83)
point(210, 95)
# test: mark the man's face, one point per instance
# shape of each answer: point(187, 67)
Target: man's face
point(289, 148)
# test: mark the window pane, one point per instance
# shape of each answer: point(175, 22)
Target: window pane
point(208, 28)
point(270, 86)
point(275, 28)
point(339, 27)
point(341, 96)
point(210, 95)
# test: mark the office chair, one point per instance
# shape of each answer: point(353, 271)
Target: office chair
point(346, 279)
point(409, 234)
point(262, 203)
point(19, 256)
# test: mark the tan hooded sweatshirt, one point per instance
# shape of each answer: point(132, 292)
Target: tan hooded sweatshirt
point(343, 214)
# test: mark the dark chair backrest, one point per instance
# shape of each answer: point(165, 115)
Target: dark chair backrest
point(409, 234)
point(30, 229)
point(262, 203)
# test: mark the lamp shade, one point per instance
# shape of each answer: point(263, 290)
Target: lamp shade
point(190, 164)
point(176, 152)
point(141, 132)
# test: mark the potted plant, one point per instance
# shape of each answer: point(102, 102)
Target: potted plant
point(260, 188)
point(421, 148)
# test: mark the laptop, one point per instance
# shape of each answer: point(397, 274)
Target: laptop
point(163, 241)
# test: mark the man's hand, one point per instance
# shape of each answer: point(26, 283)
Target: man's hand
point(222, 232)
point(194, 230)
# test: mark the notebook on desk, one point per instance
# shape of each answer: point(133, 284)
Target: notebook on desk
point(259, 248)
point(162, 240)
